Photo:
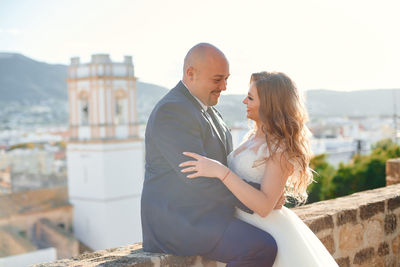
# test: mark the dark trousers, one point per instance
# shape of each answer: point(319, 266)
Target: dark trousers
point(244, 245)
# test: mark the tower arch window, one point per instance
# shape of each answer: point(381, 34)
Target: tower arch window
point(84, 108)
point(121, 107)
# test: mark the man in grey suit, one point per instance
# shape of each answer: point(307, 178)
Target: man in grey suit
point(185, 216)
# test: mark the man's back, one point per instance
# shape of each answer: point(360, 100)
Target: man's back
point(180, 215)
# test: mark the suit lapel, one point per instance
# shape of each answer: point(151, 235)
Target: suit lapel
point(182, 88)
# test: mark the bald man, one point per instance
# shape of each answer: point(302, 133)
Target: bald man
point(185, 216)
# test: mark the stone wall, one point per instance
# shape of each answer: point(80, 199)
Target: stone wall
point(12, 243)
point(360, 230)
point(37, 219)
point(22, 210)
point(48, 233)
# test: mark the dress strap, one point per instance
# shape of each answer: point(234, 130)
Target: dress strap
point(263, 151)
point(262, 154)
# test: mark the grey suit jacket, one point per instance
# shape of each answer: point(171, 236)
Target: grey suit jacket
point(179, 215)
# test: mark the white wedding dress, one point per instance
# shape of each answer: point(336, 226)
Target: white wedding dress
point(297, 244)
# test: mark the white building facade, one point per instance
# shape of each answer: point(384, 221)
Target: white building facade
point(105, 156)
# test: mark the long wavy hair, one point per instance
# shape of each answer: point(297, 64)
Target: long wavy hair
point(284, 118)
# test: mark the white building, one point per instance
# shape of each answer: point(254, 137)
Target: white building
point(105, 156)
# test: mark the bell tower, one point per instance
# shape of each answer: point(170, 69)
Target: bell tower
point(105, 154)
point(102, 99)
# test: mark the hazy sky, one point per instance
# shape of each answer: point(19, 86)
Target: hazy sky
point(335, 44)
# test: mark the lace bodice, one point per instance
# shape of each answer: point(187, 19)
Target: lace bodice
point(250, 165)
point(242, 163)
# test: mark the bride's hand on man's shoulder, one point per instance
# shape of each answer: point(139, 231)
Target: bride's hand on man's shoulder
point(202, 167)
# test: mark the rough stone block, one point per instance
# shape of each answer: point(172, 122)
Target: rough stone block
point(343, 262)
point(377, 262)
point(370, 209)
point(391, 262)
point(394, 203)
point(390, 223)
point(396, 245)
point(364, 256)
point(350, 237)
point(374, 231)
point(383, 249)
point(320, 224)
point(178, 261)
point(346, 217)
point(329, 243)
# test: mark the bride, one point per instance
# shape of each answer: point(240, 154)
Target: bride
point(276, 155)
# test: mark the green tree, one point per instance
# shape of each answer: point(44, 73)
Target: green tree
point(323, 173)
point(365, 171)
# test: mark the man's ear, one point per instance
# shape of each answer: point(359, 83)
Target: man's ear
point(190, 73)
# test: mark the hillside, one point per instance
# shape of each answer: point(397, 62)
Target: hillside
point(25, 82)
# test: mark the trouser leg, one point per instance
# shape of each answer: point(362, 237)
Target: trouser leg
point(244, 245)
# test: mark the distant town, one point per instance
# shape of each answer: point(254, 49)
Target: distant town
point(34, 127)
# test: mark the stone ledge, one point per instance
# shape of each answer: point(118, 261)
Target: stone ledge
point(344, 209)
point(325, 215)
point(129, 256)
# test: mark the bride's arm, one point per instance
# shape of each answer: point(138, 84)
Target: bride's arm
point(277, 170)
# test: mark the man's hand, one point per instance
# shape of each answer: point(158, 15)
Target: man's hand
point(280, 202)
